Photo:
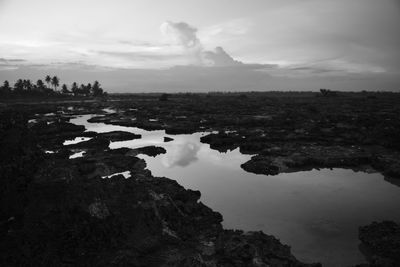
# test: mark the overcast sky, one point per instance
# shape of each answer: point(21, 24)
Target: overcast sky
point(204, 45)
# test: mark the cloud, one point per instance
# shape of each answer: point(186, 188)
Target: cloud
point(11, 60)
point(220, 58)
point(182, 33)
point(8, 64)
point(186, 35)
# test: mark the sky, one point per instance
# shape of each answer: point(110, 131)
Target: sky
point(204, 45)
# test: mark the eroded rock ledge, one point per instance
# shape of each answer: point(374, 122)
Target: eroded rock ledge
point(382, 243)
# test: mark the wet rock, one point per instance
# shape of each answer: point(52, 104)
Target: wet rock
point(168, 139)
point(388, 163)
point(180, 128)
point(261, 165)
point(116, 136)
point(20, 157)
point(151, 151)
point(96, 143)
point(98, 209)
point(222, 141)
point(291, 159)
point(52, 135)
point(236, 248)
point(382, 241)
point(57, 128)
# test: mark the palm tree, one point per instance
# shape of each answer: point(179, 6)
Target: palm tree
point(19, 86)
point(27, 85)
point(96, 89)
point(48, 80)
point(75, 89)
point(5, 88)
point(64, 89)
point(88, 89)
point(55, 81)
point(83, 90)
point(40, 85)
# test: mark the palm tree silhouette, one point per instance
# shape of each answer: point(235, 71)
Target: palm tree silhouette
point(48, 80)
point(55, 81)
point(64, 89)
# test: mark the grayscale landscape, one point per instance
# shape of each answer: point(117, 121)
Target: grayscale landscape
point(200, 133)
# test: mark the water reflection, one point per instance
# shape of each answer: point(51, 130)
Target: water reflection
point(77, 155)
point(181, 155)
point(316, 212)
point(76, 140)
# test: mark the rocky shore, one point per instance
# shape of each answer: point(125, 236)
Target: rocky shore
point(62, 211)
point(57, 211)
point(382, 243)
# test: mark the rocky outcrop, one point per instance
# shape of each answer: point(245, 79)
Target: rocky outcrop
point(382, 242)
point(59, 131)
point(96, 143)
point(116, 136)
point(285, 159)
point(168, 139)
point(222, 141)
point(151, 151)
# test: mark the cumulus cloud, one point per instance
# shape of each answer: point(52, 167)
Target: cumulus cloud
point(181, 32)
point(219, 58)
point(181, 155)
point(186, 35)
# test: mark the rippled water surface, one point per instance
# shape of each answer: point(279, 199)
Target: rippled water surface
point(316, 212)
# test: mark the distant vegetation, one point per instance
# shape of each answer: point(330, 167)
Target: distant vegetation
point(163, 97)
point(327, 92)
point(49, 87)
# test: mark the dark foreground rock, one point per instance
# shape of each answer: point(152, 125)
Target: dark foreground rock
point(116, 136)
point(151, 151)
point(222, 141)
point(168, 139)
point(382, 242)
point(58, 131)
point(96, 143)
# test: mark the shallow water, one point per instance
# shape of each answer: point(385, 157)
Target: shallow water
point(76, 140)
point(77, 155)
point(316, 212)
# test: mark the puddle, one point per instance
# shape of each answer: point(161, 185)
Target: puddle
point(126, 174)
point(76, 140)
point(77, 155)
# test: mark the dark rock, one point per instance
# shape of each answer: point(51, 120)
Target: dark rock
point(235, 248)
point(287, 159)
point(260, 165)
point(382, 241)
point(116, 136)
point(96, 143)
point(168, 139)
point(151, 151)
point(222, 141)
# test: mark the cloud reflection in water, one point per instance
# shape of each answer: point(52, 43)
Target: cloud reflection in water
point(181, 155)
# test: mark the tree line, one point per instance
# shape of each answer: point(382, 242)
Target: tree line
point(50, 87)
